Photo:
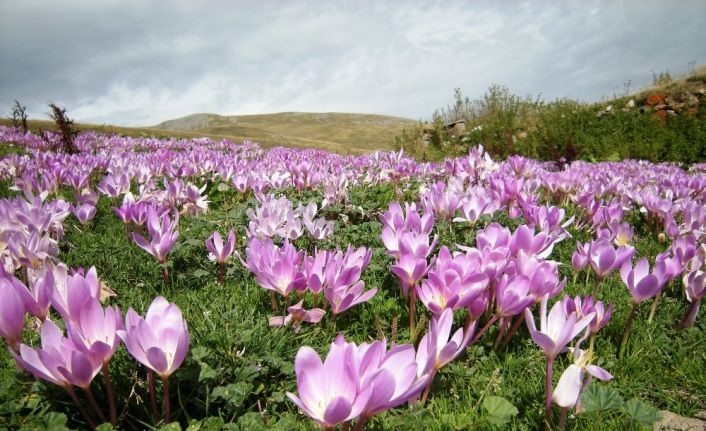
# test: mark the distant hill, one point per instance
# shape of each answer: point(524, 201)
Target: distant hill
point(340, 132)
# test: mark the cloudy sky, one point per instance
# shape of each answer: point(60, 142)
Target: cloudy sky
point(142, 62)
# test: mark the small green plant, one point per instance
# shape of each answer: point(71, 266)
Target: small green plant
point(661, 78)
point(601, 402)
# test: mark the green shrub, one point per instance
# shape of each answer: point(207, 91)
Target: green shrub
point(506, 124)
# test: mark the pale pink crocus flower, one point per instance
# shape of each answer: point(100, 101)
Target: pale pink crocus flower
point(557, 329)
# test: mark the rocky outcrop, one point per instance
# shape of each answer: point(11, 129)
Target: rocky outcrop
point(665, 104)
point(673, 422)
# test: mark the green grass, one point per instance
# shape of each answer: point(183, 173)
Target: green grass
point(238, 369)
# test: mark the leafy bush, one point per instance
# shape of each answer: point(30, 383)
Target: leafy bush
point(563, 129)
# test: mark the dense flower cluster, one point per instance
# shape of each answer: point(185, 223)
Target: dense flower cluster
point(497, 280)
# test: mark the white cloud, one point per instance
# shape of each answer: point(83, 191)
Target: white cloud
point(139, 63)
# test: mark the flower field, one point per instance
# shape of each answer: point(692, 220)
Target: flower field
point(203, 285)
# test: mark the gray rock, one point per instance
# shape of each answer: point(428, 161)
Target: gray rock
point(674, 422)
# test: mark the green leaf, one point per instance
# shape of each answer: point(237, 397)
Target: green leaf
point(172, 426)
point(212, 423)
point(199, 353)
point(287, 422)
point(55, 421)
point(200, 273)
point(499, 410)
point(234, 393)
point(105, 427)
point(251, 421)
point(599, 398)
point(207, 373)
point(642, 412)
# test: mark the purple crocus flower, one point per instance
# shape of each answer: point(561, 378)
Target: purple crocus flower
point(640, 282)
point(163, 235)
point(475, 205)
point(543, 275)
point(512, 295)
point(219, 251)
point(605, 259)
point(84, 213)
point(58, 361)
point(417, 245)
point(296, 314)
point(398, 220)
point(69, 292)
point(695, 289)
point(579, 259)
point(343, 298)
point(95, 331)
point(276, 269)
point(87, 196)
point(160, 340)
point(584, 306)
point(36, 297)
point(441, 200)
point(453, 282)
point(330, 391)
point(642, 285)
point(524, 239)
point(124, 211)
point(557, 328)
point(314, 267)
point(492, 237)
point(410, 269)
point(556, 331)
point(576, 378)
point(436, 349)
point(12, 314)
point(318, 228)
point(345, 269)
point(394, 376)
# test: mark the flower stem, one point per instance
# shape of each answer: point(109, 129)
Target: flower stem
point(153, 395)
point(592, 342)
point(548, 393)
point(221, 272)
point(514, 329)
point(427, 389)
point(562, 418)
point(275, 307)
point(91, 423)
point(284, 312)
point(655, 303)
point(165, 275)
point(626, 334)
point(596, 284)
point(360, 424)
point(166, 407)
point(111, 395)
point(690, 316)
point(501, 331)
point(412, 308)
point(482, 331)
point(94, 404)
